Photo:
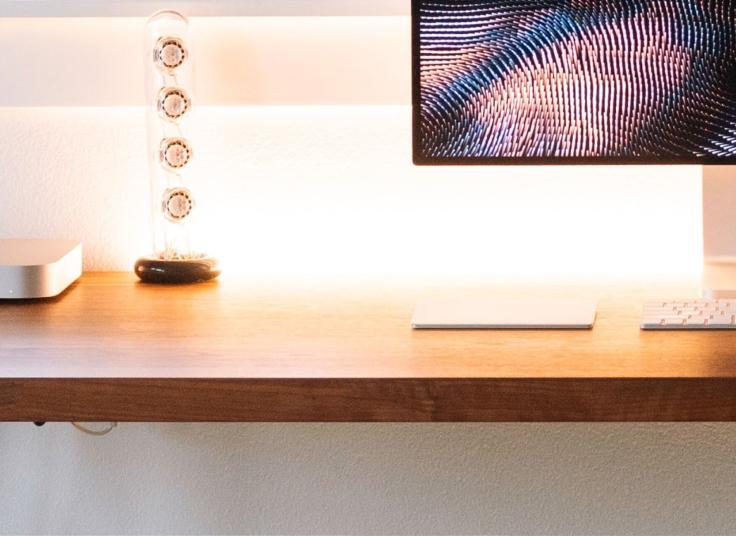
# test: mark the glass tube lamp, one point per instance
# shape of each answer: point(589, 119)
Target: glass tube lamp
point(177, 257)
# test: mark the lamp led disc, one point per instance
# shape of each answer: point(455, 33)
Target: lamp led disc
point(173, 102)
point(177, 204)
point(175, 153)
point(169, 53)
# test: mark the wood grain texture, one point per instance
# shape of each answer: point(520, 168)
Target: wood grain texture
point(373, 399)
point(114, 349)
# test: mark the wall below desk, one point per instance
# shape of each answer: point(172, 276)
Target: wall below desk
point(369, 479)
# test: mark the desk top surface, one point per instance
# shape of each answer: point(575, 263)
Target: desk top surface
point(110, 326)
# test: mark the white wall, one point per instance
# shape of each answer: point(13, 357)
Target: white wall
point(143, 8)
point(369, 479)
point(329, 191)
point(238, 60)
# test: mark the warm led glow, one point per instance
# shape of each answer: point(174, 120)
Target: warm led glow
point(332, 192)
point(326, 192)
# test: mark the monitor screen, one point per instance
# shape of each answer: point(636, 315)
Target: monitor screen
point(574, 81)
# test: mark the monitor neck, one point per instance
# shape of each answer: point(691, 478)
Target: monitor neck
point(719, 231)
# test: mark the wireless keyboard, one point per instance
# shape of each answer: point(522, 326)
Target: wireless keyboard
point(689, 314)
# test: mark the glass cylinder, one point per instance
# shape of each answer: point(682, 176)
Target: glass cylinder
point(178, 255)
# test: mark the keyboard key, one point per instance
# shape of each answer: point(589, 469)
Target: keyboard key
point(721, 321)
point(696, 321)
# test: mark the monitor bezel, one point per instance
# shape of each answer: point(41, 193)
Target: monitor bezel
point(421, 160)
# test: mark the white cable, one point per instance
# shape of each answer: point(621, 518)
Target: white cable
point(89, 431)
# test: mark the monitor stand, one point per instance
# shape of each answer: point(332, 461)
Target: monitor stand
point(719, 232)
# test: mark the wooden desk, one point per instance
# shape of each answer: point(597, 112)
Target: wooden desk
point(114, 349)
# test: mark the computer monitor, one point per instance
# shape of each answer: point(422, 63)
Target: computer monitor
point(574, 81)
point(584, 82)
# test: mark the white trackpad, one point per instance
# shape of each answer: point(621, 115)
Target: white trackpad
point(491, 313)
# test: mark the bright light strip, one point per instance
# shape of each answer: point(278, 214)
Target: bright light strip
point(330, 192)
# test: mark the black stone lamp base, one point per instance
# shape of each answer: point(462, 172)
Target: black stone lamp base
point(156, 270)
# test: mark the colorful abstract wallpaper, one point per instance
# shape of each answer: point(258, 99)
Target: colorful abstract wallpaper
point(649, 80)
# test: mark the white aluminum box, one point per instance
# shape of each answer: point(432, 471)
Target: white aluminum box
point(38, 268)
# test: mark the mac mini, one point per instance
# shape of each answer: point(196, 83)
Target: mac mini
point(38, 268)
